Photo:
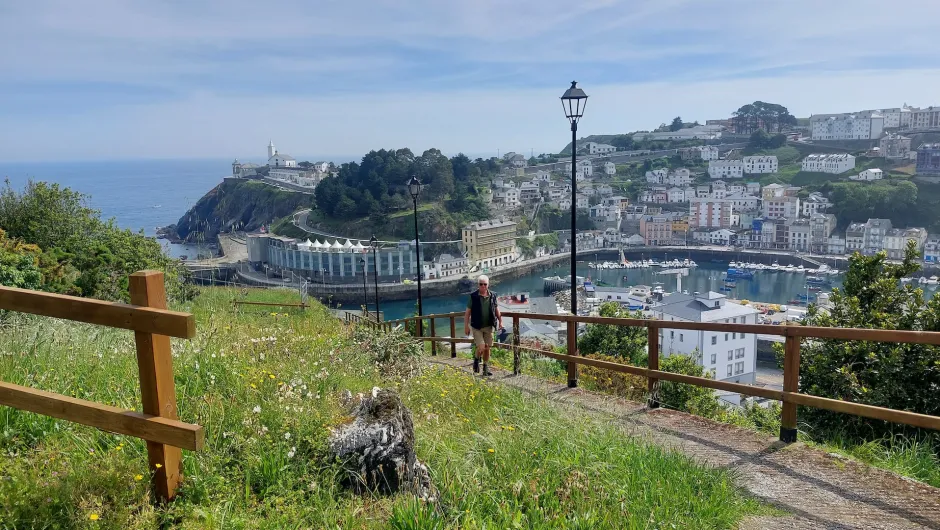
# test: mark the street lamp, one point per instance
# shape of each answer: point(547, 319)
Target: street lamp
point(414, 188)
point(573, 101)
point(365, 290)
point(374, 243)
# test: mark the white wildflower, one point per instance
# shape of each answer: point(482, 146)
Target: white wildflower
point(292, 452)
point(287, 436)
point(257, 409)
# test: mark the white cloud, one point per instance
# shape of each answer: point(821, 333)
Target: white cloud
point(200, 61)
point(208, 126)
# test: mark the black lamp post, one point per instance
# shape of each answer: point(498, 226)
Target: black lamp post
point(374, 243)
point(414, 188)
point(573, 102)
point(365, 290)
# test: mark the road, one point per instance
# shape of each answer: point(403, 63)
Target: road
point(621, 159)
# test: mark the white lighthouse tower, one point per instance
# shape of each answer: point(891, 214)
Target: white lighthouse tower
point(271, 150)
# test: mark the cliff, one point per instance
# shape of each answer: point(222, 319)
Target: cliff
point(237, 204)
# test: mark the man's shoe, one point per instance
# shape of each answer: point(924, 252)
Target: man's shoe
point(476, 365)
point(486, 370)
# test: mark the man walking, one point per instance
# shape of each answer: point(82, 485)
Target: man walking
point(482, 315)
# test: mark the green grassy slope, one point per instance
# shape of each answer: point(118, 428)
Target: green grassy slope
point(266, 384)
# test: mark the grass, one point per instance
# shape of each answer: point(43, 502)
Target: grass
point(265, 385)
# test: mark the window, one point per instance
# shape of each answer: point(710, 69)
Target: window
point(672, 334)
point(734, 320)
point(680, 337)
point(730, 354)
point(729, 370)
point(738, 368)
point(734, 336)
point(714, 339)
point(726, 337)
point(714, 358)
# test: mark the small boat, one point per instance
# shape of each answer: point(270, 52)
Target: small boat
point(815, 289)
point(724, 289)
point(775, 267)
point(906, 280)
point(933, 280)
point(790, 268)
point(922, 280)
point(801, 268)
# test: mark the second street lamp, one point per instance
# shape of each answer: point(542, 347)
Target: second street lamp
point(365, 290)
point(374, 243)
point(573, 101)
point(414, 188)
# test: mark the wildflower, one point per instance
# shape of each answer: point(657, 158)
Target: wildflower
point(158, 466)
point(93, 516)
point(287, 436)
point(138, 477)
point(119, 448)
point(271, 376)
point(253, 386)
point(257, 409)
point(292, 452)
point(491, 450)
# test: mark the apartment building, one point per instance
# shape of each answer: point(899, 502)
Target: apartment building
point(928, 159)
point(599, 149)
point(490, 243)
point(927, 118)
point(710, 213)
point(875, 232)
point(760, 164)
point(799, 235)
point(896, 240)
point(656, 229)
point(894, 146)
point(859, 126)
point(786, 207)
point(814, 204)
point(728, 356)
point(730, 169)
point(828, 163)
point(821, 226)
point(855, 238)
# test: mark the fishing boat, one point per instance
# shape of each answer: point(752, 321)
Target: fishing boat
point(739, 274)
point(816, 280)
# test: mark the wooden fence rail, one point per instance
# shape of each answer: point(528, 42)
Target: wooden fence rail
point(153, 325)
point(789, 396)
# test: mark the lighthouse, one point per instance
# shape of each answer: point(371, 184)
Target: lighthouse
point(271, 150)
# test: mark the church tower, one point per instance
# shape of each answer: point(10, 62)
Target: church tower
point(271, 150)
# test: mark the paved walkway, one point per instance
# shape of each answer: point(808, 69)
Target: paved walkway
point(818, 490)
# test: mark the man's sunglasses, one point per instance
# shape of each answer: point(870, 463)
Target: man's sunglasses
point(484, 284)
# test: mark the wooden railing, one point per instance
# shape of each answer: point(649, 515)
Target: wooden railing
point(789, 395)
point(153, 325)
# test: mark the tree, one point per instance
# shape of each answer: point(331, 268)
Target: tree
point(885, 374)
point(525, 247)
point(698, 400)
point(676, 124)
point(760, 115)
point(461, 167)
point(624, 342)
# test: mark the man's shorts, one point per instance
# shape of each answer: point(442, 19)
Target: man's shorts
point(483, 336)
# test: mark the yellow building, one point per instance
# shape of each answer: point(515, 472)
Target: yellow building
point(490, 243)
point(680, 226)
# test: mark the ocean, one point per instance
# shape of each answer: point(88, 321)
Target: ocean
point(138, 194)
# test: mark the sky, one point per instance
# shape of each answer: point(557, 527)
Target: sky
point(118, 80)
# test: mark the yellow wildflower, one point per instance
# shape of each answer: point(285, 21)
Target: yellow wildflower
point(253, 386)
point(271, 376)
point(93, 516)
point(491, 450)
point(138, 477)
point(158, 466)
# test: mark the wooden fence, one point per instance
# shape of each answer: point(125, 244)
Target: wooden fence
point(153, 325)
point(789, 395)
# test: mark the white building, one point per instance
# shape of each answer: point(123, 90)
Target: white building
point(721, 237)
point(786, 207)
point(657, 176)
point(296, 176)
point(701, 132)
point(861, 126)
point(799, 235)
point(728, 356)
point(896, 240)
point(604, 189)
point(445, 265)
point(760, 164)
point(586, 167)
point(610, 168)
point(822, 163)
point(517, 160)
point(752, 188)
point(675, 195)
point(869, 174)
point(730, 169)
point(815, 203)
point(709, 152)
point(742, 202)
point(932, 251)
point(507, 196)
point(543, 176)
point(281, 160)
point(600, 149)
point(927, 118)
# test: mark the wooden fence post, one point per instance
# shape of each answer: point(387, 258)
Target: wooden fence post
point(516, 361)
point(791, 383)
point(572, 345)
point(453, 335)
point(157, 388)
point(652, 383)
point(433, 334)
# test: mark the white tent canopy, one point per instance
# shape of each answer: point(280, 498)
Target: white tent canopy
point(348, 244)
point(336, 245)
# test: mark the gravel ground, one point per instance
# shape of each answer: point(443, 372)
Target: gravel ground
point(817, 489)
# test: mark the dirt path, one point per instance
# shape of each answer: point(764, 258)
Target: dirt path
point(819, 490)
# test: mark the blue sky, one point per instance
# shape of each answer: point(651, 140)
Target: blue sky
point(206, 79)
